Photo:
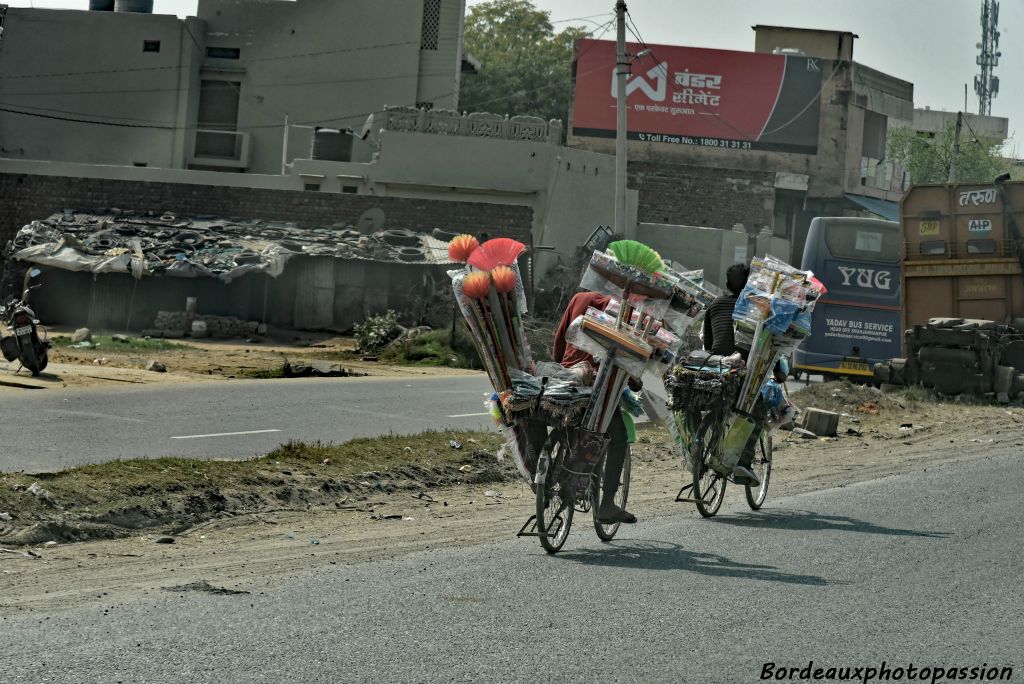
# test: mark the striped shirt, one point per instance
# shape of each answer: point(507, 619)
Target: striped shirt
point(718, 332)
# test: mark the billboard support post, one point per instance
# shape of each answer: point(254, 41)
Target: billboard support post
point(621, 71)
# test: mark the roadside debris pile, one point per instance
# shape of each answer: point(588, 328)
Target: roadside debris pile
point(181, 323)
point(148, 243)
point(169, 495)
point(957, 356)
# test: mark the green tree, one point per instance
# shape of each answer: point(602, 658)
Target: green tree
point(526, 67)
point(927, 159)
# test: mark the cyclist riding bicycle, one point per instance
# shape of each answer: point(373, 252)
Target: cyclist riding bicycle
point(569, 356)
point(719, 339)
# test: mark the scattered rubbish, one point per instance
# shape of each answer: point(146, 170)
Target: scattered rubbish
point(87, 344)
point(6, 517)
point(313, 541)
point(868, 407)
point(454, 444)
point(472, 441)
point(28, 553)
point(318, 369)
point(204, 586)
point(38, 492)
point(165, 540)
point(327, 461)
point(983, 441)
point(121, 338)
point(493, 494)
point(50, 543)
point(408, 448)
point(393, 516)
point(805, 434)
point(906, 426)
point(101, 361)
point(466, 468)
point(408, 518)
point(853, 433)
point(156, 366)
point(423, 495)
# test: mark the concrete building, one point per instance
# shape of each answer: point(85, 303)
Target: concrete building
point(930, 122)
point(214, 91)
point(817, 153)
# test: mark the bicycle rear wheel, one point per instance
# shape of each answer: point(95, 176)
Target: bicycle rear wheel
point(708, 485)
point(607, 532)
point(555, 504)
point(762, 467)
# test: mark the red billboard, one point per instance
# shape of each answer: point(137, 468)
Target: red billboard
point(695, 96)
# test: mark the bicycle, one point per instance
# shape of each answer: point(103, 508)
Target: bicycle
point(569, 479)
point(709, 485)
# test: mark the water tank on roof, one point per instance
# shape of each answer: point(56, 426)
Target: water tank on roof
point(140, 6)
point(330, 144)
point(101, 5)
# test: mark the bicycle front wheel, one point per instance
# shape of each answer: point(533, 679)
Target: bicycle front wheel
point(708, 485)
point(762, 467)
point(554, 502)
point(607, 532)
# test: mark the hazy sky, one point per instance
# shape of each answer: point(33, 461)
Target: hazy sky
point(928, 42)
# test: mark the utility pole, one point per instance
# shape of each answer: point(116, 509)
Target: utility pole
point(284, 148)
point(956, 147)
point(621, 71)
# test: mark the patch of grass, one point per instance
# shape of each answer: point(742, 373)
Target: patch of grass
point(121, 497)
point(262, 373)
point(435, 348)
point(108, 343)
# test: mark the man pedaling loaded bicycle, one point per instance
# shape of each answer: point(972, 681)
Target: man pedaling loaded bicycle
point(569, 356)
point(720, 340)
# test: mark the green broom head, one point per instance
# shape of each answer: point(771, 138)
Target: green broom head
point(637, 254)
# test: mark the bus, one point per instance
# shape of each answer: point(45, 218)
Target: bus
point(858, 323)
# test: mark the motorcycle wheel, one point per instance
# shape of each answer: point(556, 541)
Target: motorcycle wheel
point(29, 359)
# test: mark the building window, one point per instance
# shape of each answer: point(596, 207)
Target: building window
point(431, 24)
point(151, 46)
point(351, 189)
point(223, 52)
point(311, 187)
point(218, 120)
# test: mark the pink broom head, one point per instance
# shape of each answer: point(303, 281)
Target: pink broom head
point(476, 285)
point(461, 247)
point(504, 278)
point(496, 252)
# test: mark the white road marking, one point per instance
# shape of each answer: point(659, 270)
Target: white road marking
point(469, 415)
point(226, 434)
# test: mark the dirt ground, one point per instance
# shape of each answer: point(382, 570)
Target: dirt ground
point(194, 360)
point(879, 435)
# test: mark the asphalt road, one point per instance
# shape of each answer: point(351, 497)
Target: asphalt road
point(56, 429)
point(922, 569)
point(61, 428)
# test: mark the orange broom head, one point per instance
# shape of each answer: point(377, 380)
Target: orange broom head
point(461, 247)
point(504, 278)
point(476, 285)
point(496, 252)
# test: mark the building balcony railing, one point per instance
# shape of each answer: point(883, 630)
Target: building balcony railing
point(228, 149)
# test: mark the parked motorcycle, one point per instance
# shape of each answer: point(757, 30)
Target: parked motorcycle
point(24, 343)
